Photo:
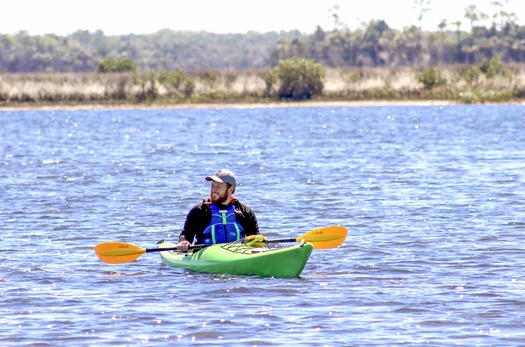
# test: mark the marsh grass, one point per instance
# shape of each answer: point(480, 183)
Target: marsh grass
point(352, 84)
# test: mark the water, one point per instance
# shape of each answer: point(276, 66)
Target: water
point(433, 197)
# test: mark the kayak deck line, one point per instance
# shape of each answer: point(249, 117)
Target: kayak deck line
point(239, 247)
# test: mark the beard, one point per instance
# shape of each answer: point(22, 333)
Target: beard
point(219, 198)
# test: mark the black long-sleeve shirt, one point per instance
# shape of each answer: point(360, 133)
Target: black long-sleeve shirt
point(199, 218)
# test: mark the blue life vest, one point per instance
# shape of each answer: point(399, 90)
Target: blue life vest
point(223, 226)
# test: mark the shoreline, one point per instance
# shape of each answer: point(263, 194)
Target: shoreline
point(370, 103)
point(229, 105)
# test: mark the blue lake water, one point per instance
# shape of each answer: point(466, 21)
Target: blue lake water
point(433, 197)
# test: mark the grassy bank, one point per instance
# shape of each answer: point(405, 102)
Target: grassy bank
point(460, 84)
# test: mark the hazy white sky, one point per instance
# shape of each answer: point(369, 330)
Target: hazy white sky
point(116, 17)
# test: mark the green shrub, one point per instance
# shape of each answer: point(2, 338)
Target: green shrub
point(173, 80)
point(210, 78)
point(148, 87)
point(189, 87)
point(488, 68)
point(471, 74)
point(493, 67)
point(116, 65)
point(299, 78)
point(431, 78)
point(270, 79)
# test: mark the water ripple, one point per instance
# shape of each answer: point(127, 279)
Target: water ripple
point(433, 198)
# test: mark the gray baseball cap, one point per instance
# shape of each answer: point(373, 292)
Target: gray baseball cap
point(223, 176)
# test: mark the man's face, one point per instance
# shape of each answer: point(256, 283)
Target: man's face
point(219, 193)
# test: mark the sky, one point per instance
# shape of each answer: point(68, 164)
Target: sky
point(120, 17)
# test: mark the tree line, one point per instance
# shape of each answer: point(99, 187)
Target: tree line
point(379, 45)
point(374, 44)
point(164, 50)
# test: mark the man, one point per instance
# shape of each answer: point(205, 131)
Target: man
point(220, 217)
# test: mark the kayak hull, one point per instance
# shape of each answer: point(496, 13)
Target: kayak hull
point(238, 259)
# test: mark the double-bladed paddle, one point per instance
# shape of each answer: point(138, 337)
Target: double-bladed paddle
point(120, 252)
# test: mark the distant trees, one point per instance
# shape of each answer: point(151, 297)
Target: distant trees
point(373, 44)
point(165, 50)
point(377, 45)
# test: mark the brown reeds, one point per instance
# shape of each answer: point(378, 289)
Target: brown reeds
point(353, 84)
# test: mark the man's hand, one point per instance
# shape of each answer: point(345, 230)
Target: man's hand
point(183, 246)
point(255, 241)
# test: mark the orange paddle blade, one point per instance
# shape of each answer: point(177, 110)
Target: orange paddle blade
point(325, 238)
point(118, 252)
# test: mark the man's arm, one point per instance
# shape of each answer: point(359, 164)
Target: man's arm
point(247, 219)
point(195, 223)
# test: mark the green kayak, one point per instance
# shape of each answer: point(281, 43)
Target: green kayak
point(238, 259)
point(250, 257)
